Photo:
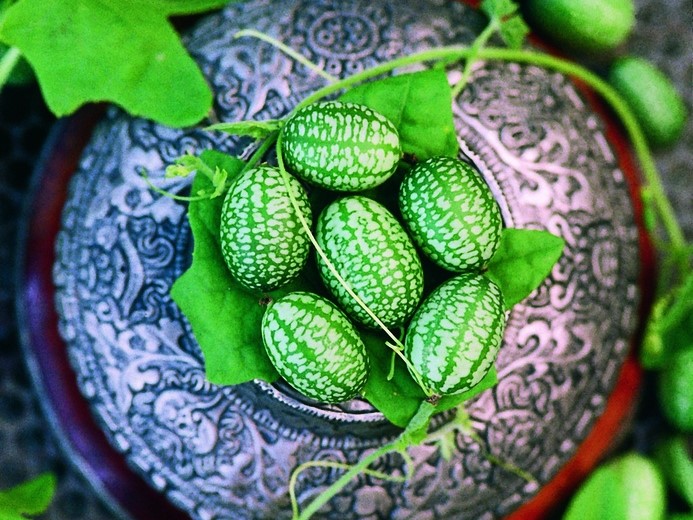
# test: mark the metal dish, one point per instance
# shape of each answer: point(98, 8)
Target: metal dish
point(227, 452)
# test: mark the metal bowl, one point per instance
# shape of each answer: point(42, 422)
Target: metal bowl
point(228, 452)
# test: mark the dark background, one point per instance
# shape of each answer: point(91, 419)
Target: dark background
point(663, 34)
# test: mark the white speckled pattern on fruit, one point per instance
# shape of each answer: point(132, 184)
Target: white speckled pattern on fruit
point(341, 146)
point(373, 253)
point(454, 337)
point(451, 213)
point(315, 347)
point(261, 236)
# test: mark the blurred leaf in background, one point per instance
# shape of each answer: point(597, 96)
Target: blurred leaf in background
point(29, 498)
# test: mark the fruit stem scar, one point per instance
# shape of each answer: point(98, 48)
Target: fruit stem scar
point(434, 399)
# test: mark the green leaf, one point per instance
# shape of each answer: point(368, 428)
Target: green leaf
point(182, 7)
point(420, 106)
point(510, 24)
point(7, 514)
point(256, 129)
point(399, 398)
point(524, 259)
point(29, 498)
point(498, 9)
point(514, 30)
point(225, 318)
point(628, 488)
point(123, 52)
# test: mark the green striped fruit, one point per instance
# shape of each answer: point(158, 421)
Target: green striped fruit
point(262, 240)
point(454, 337)
point(315, 347)
point(451, 214)
point(652, 97)
point(374, 255)
point(340, 146)
point(586, 26)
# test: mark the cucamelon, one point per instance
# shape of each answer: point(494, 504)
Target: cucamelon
point(451, 213)
point(373, 254)
point(315, 347)
point(261, 237)
point(340, 146)
point(454, 336)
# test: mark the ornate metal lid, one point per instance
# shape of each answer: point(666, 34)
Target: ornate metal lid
point(227, 452)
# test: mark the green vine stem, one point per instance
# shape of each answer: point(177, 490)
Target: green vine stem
point(202, 195)
point(477, 45)
point(258, 154)
point(462, 423)
point(632, 127)
point(297, 56)
point(398, 445)
point(183, 167)
point(414, 433)
point(361, 466)
point(493, 459)
point(336, 465)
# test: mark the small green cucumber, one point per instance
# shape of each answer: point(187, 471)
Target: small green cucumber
point(628, 487)
point(261, 237)
point(587, 26)
point(315, 347)
point(652, 97)
point(373, 254)
point(454, 337)
point(451, 214)
point(340, 146)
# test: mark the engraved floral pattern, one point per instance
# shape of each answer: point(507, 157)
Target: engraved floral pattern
point(228, 452)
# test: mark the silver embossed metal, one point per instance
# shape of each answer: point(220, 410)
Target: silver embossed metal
point(227, 452)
